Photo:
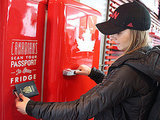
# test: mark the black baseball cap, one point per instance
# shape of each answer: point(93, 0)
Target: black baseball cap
point(131, 15)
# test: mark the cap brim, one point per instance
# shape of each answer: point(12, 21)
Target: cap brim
point(108, 28)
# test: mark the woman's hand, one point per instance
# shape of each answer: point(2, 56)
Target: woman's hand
point(21, 105)
point(83, 70)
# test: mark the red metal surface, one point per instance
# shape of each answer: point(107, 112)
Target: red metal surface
point(41, 1)
point(117, 53)
point(152, 34)
point(111, 42)
point(108, 62)
point(112, 6)
point(111, 10)
point(112, 47)
point(106, 68)
point(116, 2)
point(111, 57)
point(2, 16)
point(22, 33)
point(72, 40)
point(110, 52)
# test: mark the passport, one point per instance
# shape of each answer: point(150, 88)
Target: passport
point(28, 89)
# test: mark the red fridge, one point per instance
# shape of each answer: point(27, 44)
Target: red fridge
point(72, 40)
point(21, 49)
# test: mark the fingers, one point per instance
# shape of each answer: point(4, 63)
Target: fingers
point(81, 67)
point(17, 100)
point(77, 71)
point(21, 96)
point(83, 70)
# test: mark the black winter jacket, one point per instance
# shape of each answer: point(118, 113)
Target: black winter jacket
point(126, 93)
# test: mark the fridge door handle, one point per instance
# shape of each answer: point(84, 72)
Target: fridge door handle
point(69, 72)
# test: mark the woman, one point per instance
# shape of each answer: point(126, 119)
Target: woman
point(128, 90)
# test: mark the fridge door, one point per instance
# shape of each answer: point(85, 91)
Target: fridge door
point(72, 40)
point(21, 49)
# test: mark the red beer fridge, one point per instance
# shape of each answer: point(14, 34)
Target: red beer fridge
point(72, 40)
point(21, 49)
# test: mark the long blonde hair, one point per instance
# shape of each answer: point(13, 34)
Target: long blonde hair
point(139, 39)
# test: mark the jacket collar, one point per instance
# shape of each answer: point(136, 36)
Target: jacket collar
point(140, 53)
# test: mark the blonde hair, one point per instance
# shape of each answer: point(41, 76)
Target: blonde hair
point(139, 39)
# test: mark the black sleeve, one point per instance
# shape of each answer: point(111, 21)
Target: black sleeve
point(96, 75)
point(114, 88)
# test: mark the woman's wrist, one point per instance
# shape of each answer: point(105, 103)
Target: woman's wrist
point(29, 107)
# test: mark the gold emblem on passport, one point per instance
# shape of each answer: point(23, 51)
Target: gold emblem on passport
point(28, 89)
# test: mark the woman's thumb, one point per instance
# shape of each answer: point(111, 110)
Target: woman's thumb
point(21, 96)
point(77, 71)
